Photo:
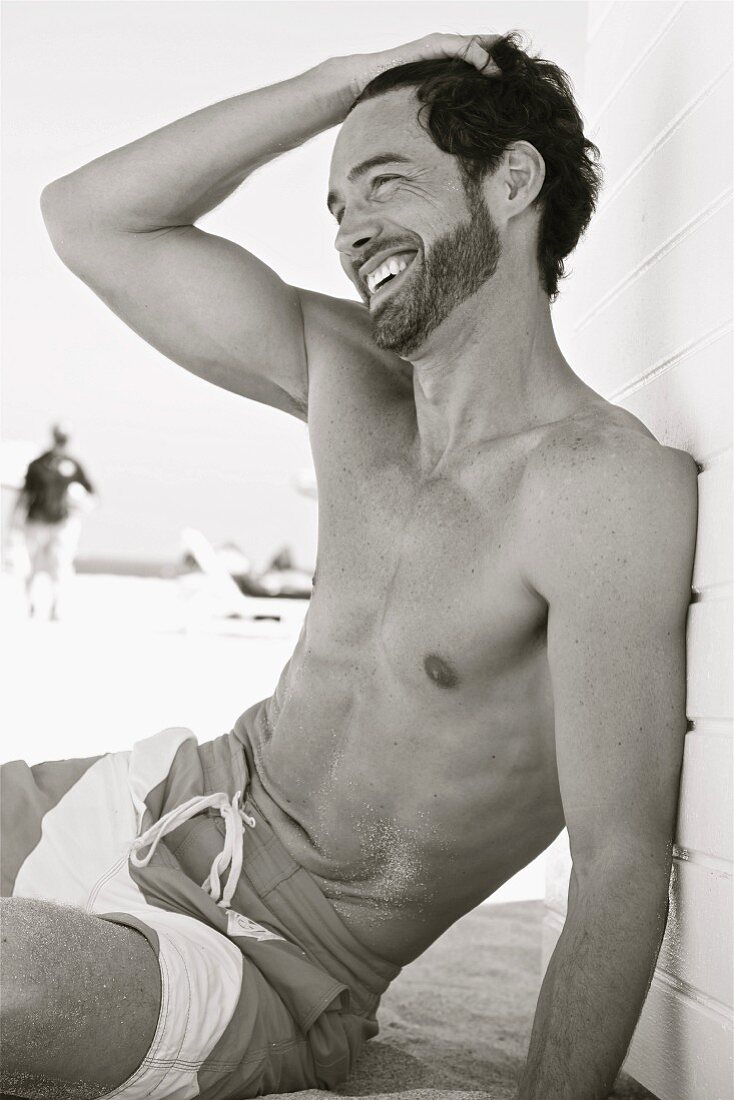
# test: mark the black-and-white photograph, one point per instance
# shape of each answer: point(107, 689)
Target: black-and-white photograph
point(366, 580)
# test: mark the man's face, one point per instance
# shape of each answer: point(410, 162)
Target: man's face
point(402, 205)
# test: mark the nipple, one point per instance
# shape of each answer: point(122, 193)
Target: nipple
point(440, 672)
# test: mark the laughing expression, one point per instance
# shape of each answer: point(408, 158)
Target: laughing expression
point(412, 239)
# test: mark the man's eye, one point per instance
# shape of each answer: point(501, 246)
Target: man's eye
point(378, 181)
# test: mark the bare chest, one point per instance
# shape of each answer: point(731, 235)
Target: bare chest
point(421, 569)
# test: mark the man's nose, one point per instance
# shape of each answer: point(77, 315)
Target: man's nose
point(355, 233)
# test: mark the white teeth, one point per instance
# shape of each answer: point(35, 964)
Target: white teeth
point(391, 266)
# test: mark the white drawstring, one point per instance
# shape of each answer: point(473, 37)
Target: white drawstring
point(230, 855)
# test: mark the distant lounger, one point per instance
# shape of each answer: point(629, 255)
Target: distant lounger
point(206, 558)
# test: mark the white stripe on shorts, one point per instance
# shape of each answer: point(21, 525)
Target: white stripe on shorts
point(201, 979)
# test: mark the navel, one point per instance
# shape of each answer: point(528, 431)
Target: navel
point(440, 672)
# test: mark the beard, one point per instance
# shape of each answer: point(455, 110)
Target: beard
point(457, 266)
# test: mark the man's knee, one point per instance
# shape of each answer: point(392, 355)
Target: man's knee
point(69, 981)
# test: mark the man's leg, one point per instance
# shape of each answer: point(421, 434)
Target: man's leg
point(61, 554)
point(80, 1001)
point(56, 590)
point(32, 551)
point(29, 584)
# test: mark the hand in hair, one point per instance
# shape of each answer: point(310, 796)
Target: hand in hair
point(474, 49)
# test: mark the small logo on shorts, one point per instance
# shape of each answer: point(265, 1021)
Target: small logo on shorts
point(237, 925)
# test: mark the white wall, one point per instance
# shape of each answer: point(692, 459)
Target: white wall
point(648, 323)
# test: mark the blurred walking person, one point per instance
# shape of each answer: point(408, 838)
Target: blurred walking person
point(54, 497)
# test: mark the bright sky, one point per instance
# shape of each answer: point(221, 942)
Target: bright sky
point(166, 449)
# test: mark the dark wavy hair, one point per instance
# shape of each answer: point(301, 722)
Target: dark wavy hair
point(476, 117)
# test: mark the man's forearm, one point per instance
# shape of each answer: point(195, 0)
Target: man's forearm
point(595, 987)
point(176, 174)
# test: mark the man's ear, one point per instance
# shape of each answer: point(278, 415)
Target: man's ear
point(523, 173)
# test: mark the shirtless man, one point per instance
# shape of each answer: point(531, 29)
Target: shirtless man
point(496, 643)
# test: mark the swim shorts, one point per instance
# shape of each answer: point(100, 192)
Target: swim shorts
point(263, 988)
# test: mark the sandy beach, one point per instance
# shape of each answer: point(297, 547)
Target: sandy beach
point(132, 656)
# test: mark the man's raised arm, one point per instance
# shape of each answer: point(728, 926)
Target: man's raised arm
point(125, 225)
point(611, 552)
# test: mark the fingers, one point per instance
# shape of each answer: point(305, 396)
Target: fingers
point(488, 40)
point(478, 55)
point(474, 49)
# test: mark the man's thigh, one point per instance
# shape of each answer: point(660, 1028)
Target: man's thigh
point(37, 538)
point(62, 549)
point(80, 1001)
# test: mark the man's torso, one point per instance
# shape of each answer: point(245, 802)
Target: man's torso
point(47, 487)
point(407, 756)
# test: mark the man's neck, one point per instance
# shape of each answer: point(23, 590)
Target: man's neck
point(492, 369)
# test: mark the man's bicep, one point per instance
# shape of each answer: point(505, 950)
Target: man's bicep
point(618, 677)
point(207, 304)
point(618, 588)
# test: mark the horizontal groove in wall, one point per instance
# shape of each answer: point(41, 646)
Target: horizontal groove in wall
point(706, 593)
point(703, 859)
point(718, 1009)
point(663, 365)
point(557, 910)
point(673, 78)
point(713, 727)
point(697, 720)
point(610, 54)
point(664, 312)
point(662, 250)
point(714, 456)
point(683, 855)
point(609, 196)
point(673, 187)
point(637, 64)
point(720, 458)
point(689, 406)
point(595, 25)
point(703, 824)
point(680, 1051)
point(714, 996)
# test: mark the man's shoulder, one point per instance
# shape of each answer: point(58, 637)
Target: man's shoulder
point(600, 484)
point(604, 452)
point(40, 461)
point(38, 466)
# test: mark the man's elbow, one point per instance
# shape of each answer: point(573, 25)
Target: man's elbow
point(641, 873)
point(58, 211)
point(67, 217)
